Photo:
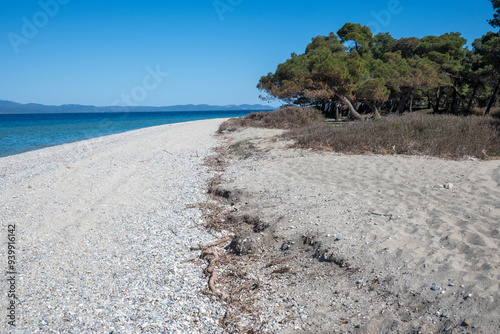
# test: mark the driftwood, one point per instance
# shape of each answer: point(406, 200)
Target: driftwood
point(212, 244)
point(246, 285)
point(210, 269)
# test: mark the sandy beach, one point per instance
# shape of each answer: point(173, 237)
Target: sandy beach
point(102, 229)
point(365, 244)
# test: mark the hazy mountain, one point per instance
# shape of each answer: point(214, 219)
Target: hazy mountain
point(9, 107)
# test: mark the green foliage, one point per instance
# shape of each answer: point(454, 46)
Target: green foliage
point(374, 90)
point(330, 42)
point(361, 36)
point(362, 73)
point(407, 46)
point(382, 43)
point(495, 22)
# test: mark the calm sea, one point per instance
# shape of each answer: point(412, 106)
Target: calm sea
point(27, 132)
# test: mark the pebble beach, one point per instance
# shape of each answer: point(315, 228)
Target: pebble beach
point(102, 231)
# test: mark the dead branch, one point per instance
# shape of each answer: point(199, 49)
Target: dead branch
point(212, 244)
point(246, 285)
point(211, 284)
point(277, 261)
point(191, 259)
point(281, 270)
point(210, 271)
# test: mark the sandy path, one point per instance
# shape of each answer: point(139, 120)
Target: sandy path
point(102, 228)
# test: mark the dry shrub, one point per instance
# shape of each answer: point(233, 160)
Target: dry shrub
point(284, 118)
point(444, 136)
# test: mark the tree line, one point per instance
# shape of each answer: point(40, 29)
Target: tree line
point(355, 73)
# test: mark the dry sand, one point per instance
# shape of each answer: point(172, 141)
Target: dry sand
point(366, 238)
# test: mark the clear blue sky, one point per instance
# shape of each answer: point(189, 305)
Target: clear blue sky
point(97, 52)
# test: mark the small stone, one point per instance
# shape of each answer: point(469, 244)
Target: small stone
point(466, 323)
point(435, 288)
point(447, 328)
point(448, 185)
point(338, 238)
point(445, 315)
point(451, 284)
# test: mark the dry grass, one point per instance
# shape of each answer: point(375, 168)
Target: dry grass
point(445, 136)
point(285, 118)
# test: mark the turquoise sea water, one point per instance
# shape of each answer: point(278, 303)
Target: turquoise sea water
point(26, 132)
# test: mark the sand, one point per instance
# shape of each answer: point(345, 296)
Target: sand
point(368, 237)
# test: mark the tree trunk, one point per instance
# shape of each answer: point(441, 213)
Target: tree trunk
point(438, 101)
point(337, 112)
point(404, 102)
point(352, 111)
point(453, 108)
point(473, 96)
point(429, 102)
point(377, 112)
point(493, 99)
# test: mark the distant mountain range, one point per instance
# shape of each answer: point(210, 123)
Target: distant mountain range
point(9, 107)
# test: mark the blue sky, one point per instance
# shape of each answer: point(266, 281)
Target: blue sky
point(156, 53)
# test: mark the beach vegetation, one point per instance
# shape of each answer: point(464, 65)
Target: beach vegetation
point(289, 117)
point(444, 136)
point(242, 149)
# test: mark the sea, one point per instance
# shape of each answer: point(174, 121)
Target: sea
point(26, 132)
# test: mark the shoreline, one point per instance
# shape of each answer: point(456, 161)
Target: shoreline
point(103, 229)
point(51, 157)
point(107, 135)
